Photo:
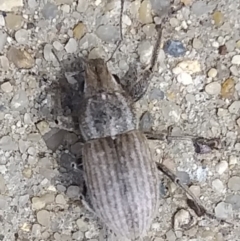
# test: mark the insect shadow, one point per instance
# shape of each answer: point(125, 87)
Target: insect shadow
point(59, 108)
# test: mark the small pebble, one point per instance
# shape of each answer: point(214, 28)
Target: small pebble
point(221, 167)
point(236, 59)
point(145, 51)
point(8, 5)
point(234, 200)
point(222, 50)
point(181, 219)
point(27, 173)
point(234, 108)
point(218, 18)
point(197, 43)
point(73, 191)
point(78, 236)
point(58, 46)
point(227, 88)
point(82, 6)
point(187, 2)
point(145, 15)
point(71, 46)
point(218, 185)
point(49, 11)
point(233, 160)
point(174, 48)
point(212, 73)
point(21, 58)
point(213, 88)
point(234, 183)
point(188, 66)
point(108, 33)
point(13, 21)
point(170, 235)
point(43, 127)
point(196, 190)
point(185, 78)
point(19, 101)
point(43, 218)
point(79, 30)
point(224, 210)
point(6, 87)
point(21, 36)
point(82, 225)
point(60, 199)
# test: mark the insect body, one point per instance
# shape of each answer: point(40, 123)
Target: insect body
point(121, 177)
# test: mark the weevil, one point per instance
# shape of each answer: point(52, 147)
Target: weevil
point(121, 176)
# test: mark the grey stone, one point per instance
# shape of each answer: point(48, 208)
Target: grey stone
point(234, 108)
point(145, 51)
point(199, 8)
point(156, 94)
point(13, 21)
point(197, 43)
point(73, 192)
point(108, 33)
point(41, 202)
point(36, 230)
point(6, 87)
point(32, 4)
point(224, 210)
point(82, 6)
point(19, 101)
point(71, 46)
point(49, 11)
point(58, 46)
point(60, 199)
point(3, 39)
point(22, 36)
point(43, 218)
point(48, 54)
point(54, 138)
point(146, 122)
point(234, 200)
point(60, 2)
point(82, 225)
point(7, 144)
point(218, 185)
point(160, 7)
point(234, 183)
point(4, 63)
point(170, 235)
point(89, 40)
point(78, 235)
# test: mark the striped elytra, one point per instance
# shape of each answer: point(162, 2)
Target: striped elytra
point(122, 182)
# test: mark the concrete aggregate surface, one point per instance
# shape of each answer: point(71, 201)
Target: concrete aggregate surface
point(195, 88)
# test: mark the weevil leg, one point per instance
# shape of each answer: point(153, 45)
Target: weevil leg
point(201, 145)
point(200, 209)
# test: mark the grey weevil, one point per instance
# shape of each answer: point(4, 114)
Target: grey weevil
point(121, 176)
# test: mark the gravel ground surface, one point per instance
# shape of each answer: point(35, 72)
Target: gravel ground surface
point(195, 88)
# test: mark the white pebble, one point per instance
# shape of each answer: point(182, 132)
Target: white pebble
point(181, 218)
point(184, 78)
point(221, 167)
point(71, 46)
point(236, 59)
point(6, 87)
point(218, 185)
point(233, 160)
point(213, 88)
point(212, 73)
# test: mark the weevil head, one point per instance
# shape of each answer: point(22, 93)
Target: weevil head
point(98, 78)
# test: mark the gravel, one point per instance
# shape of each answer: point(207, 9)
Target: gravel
point(194, 87)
